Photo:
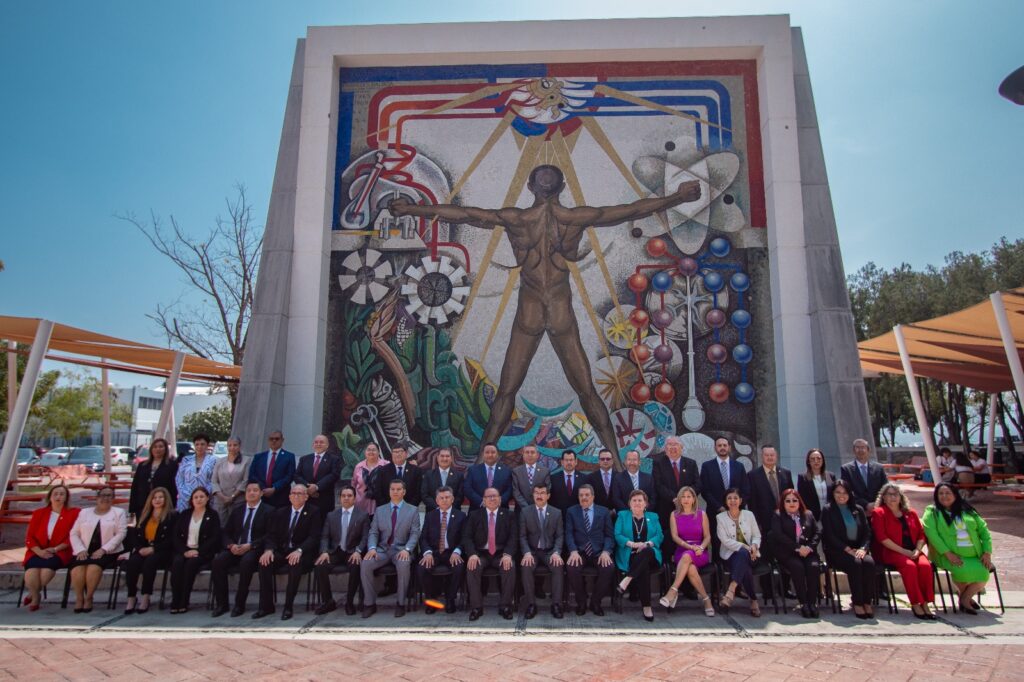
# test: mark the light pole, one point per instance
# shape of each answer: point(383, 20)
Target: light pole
point(1012, 87)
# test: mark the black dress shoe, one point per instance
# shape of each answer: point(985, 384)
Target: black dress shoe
point(650, 618)
point(531, 611)
point(598, 611)
point(260, 613)
point(399, 611)
point(581, 609)
point(450, 607)
point(474, 614)
point(350, 609)
point(286, 614)
point(369, 611)
point(237, 611)
point(506, 612)
point(129, 612)
point(556, 610)
point(326, 607)
point(219, 611)
point(815, 613)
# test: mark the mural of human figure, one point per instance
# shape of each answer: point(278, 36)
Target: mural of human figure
point(545, 238)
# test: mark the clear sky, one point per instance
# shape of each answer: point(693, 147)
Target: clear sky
point(136, 106)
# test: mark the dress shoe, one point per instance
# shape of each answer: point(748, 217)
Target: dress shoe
point(260, 613)
point(450, 607)
point(556, 610)
point(805, 611)
point(650, 618)
point(237, 611)
point(596, 608)
point(286, 614)
point(129, 612)
point(369, 611)
point(506, 612)
point(581, 609)
point(219, 611)
point(350, 609)
point(429, 610)
point(326, 607)
point(399, 611)
point(531, 611)
point(474, 614)
point(35, 607)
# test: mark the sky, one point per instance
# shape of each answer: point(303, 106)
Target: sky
point(139, 107)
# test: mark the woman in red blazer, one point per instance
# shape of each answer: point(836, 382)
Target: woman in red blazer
point(899, 542)
point(48, 542)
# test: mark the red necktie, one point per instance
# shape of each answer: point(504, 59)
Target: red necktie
point(675, 467)
point(444, 532)
point(316, 464)
point(492, 543)
point(270, 469)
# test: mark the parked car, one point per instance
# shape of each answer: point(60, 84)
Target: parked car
point(121, 454)
point(220, 449)
point(27, 457)
point(142, 454)
point(55, 457)
point(91, 456)
point(185, 448)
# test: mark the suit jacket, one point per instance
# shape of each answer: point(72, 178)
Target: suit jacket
point(476, 483)
point(833, 530)
point(326, 478)
point(762, 502)
point(407, 528)
point(284, 471)
point(432, 481)
point(522, 489)
point(358, 532)
point(622, 486)
point(411, 474)
point(209, 534)
point(560, 498)
point(783, 534)
point(624, 534)
point(602, 532)
point(164, 477)
point(530, 531)
point(305, 535)
point(728, 539)
point(36, 534)
point(602, 497)
point(474, 533)
point(261, 520)
point(430, 538)
point(665, 480)
point(864, 494)
point(712, 488)
point(163, 541)
point(809, 493)
point(885, 525)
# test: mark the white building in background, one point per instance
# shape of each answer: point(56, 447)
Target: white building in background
point(146, 404)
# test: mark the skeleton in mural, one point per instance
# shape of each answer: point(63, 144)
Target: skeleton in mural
point(545, 239)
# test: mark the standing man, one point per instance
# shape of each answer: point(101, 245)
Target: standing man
point(444, 476)
point(488, 474)
point(319, 472)
point(526, 475)
point(718, 475)
point(601, 480)
point(400, 468)
point(671, 472)
point(294, 538)
point(394, 532)
point(274, 469)
point(630, 479)
point(865, 475)
point(489, 538)
point(342, 543)
point(767, 482)
point(245, 536)
point(565, 486)
point(541, 535)
point(440, 548)
point(590, 537)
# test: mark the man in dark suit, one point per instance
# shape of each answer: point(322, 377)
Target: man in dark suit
point(443, 476)
point(274, 469)
point(342, 543)
point(630, 479)
point(767, 482)
point(440, 548)
point(526, 474)
point(400, 468)
point(864, 474)
point(319, 471)
point(672, 472)
point(718, 475)
point(601, 480)
point(541, 536)
point(489, 540)
point(590, 537)
point(488, 474)
point(565, 485)
point(293, 540)
point(245, 533)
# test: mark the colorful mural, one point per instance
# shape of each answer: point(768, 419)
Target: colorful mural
point(565, 254)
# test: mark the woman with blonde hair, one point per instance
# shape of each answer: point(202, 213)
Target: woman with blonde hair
point(151, 549)
point(899, 543)
point(691, 532)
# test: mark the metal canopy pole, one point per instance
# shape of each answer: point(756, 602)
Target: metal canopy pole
point(170, 390)
point(1009, 343)
point(105, 399)
point(915, 397)
point(12, 376)
point(993, 405)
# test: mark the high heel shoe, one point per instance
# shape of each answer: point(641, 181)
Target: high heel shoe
point(670, 603)
point(26, 601)
point(620, 589)
point(709, 610)
point(755, 609)
point(650, 618)
point(726, 601)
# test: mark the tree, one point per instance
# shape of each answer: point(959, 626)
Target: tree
point(220, 266)
point(45, 384)
point(71, 411)
point(214, 421)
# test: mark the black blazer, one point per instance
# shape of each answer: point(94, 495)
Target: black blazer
point(411, 474)
point(665, 480)
point(306, 535)
point(622, 486)
point(260, 524)
point(809, 493)
point(431, 481)
point(560, 498)
point(430, 536)
point(601, 497)
point(762, 503)
point(864, 494)
point(326, 478)
point(833, 530)
point(163, 542)
point(145, 480)
point(209, 534)
point(474, 533)
point(783, 534)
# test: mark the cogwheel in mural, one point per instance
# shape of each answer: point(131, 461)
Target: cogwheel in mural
point(436, 290)
point(366, 275)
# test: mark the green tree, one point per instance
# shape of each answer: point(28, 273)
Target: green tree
point(47, 380)
point(214, 421)
point(71, 410)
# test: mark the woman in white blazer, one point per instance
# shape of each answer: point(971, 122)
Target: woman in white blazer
point(96, 539)
point(740, 540)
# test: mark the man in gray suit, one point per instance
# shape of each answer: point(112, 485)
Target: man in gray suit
point(541, 534)
point(342, 543)
point(526, 475)
point(394, 532)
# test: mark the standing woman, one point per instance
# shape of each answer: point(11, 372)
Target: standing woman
point(794, 538)
point(959, 542)
point(740, 547)
point(158, 471)
point(97, 537)
point(364, 480)
point(48, 542)
point(196, 540)
point(151, 550)
point(638, 539)
point(690, 533)
point(813, 484)
point(230, 475)
point(195, 471)
point(847, 540)
point(899, 542)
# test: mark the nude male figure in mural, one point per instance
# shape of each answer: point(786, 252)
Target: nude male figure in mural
point(545, 238)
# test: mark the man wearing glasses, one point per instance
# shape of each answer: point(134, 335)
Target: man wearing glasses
point(273, 469)
point(602, 480)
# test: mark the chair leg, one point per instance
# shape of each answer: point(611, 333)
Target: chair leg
point(893, 606)
point(115, 587)
point(163, 590)
point(949, 586)
point(938, 587)
point(21, 592)
point(999, 592)
point(67, 590)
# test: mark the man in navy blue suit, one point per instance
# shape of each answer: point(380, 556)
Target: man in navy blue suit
point(630, 479)
point(274, 469)
point(440, 548)
point(590, 537)
point(488, 474)
point(718, 475)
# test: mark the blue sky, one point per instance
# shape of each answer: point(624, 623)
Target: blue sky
point(136, 106)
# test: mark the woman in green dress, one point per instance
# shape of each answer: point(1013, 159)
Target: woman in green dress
point(959, 541)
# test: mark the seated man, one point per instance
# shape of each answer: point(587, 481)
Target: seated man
point(439, 547)
point(540, 539)
point(245, 533)
point(590, 537)
point(294, 538)
point(488, 541)
point(342, 543)
point(394, 532)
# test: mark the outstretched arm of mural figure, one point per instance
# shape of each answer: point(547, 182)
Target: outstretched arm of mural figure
point(470, 215)
point(602, 216)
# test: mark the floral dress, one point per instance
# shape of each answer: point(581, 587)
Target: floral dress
point(188, 478)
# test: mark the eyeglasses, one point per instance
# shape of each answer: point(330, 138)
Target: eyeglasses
point(891, 493)
point(604, 459)
point(106, 496)
point(790, 499)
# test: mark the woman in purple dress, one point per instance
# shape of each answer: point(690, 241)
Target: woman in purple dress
point(692, 536)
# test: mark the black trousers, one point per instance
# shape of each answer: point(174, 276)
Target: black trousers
point(146, 566)
point(183, 577)
point(323, 576)
point(605, 575)
point(860, 575)
point(474, 578)
point(804, 573)
point(640, 566)
point(432, 583)
point(224, 561)
point(295, 574)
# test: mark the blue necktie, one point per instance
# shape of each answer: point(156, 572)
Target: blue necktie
point(723, 464)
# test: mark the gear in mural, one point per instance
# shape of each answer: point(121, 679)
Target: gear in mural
point(366, 275)
point(436, 290)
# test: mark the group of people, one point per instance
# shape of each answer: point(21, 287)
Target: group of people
point(275, 514)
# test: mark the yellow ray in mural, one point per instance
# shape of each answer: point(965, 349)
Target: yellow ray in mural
point(640, 101)
point(513, 279)
point(474, 96)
